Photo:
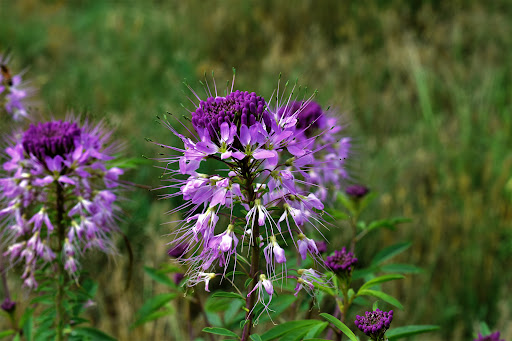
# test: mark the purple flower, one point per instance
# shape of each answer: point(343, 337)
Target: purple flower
point(264, 285)
point(13, 91)
point(491, 337)
point(178, 250)
point(375, 323)
point(319, 131)
point(310, 116)
point(58, 168)
point(357, 191)
point(266, 175)
point(307, 280)
point(341, 262)
point(321, 246)
point(178, 277)
point(8, 305)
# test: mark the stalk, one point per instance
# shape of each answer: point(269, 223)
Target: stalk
point(255, 256)
point(61, 233)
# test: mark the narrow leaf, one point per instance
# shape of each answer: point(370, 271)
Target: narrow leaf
point(401, 268)
point(159, 277)
point(219, 331)
point(390, 252)
point(379, 294)
point(92, 333)
point(406, 331)
point(7, 333)
point(153, 304)
point(228, 295)
point(287, 327)
point(380, 279)
point(256, 337)
point(340, 325)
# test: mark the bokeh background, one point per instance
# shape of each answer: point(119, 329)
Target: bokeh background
point(425, 88)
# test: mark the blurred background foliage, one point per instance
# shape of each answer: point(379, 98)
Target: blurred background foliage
point(424, 87)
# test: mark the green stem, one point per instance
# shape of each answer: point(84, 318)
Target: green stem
point(255, 256)
point(61, 233)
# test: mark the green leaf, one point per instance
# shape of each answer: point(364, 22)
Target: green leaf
point(401, 332)
point(288, 327)
point(340, 325)
point(92, 333)
point(336, 215)
point(27, 323)
point(316, 330)
point(159, 277)
point(219, 331)
point(379, 294)
point(484, 328)
point(380, 279)
point(256, 337)
point(7, 333)
point(228, 295)
point(243, 259)
point(152, 316)
point(152, 305)
point(387, 223)
point(390, 252)
point(401, 268)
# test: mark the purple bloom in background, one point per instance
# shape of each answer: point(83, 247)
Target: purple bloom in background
point(8, 305)
point(178, 251)
point(320, 131)
point(310, 116)
point(375, 323)
point(13, 91)
point(491, 337)
point(321, 246)
point(178, 277)
point(58, 169)
point(341, 262)
point(357, 191)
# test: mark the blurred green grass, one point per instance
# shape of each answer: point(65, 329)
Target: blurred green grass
point(425, 88)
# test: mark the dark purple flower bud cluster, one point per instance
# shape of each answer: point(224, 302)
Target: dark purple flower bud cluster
point(341, 262)
point(491, 337)
point(357, 191)
point(13, 91)
point(375, 323)
point(310, 116)
point(313, 125)
point(8, 305)
point(58, 190)
point(239, 107)
point(50, 139)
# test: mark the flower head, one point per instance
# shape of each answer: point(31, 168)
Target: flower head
point(374, 323)
point(491, 337)
point(341, 262)
point(58, 184)
point(262, 194)
point(8, 305)
point(357, 191)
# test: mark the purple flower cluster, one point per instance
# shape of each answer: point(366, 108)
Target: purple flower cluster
point(58, 195)
point(491, 337)
point(356, 191)
point(270, 166)
point(13, 91)
point(321, 132)
point(374, 323)
point(341, 262)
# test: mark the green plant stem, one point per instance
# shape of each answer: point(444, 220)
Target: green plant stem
point(61, 233)
point(255, 256)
